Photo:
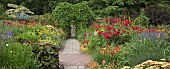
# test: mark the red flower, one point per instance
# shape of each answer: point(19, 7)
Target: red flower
point(99, 33)
point(120, 33)
point(117, 33)
point(126, 22)
point(116, 20)
point(8, 22)
point(107, 19)
point(106, 35)
point(140, 29)
point(123, 30)
point(119, 28)
point(135, 28)
point(97, 28)
point(109, 28)
point(152, 30)
point(85, 35)
point(87, 42)
point(82, 42)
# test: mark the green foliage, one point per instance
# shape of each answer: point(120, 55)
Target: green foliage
point(66, 14)
point(80, 33)
point(29, 36)
point(140, 51)
point(142, 19)
point(47, 56)
point(158, 14)
point(104, 8)
point(17, 56)
point(113, 7)
point(45, 41)
point(95, 43)
point(2, 9)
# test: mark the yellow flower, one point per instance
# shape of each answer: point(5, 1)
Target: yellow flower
point(163, 30)
point(59, 34)
point(48, 37)
point(159, 35)
point(102, 29)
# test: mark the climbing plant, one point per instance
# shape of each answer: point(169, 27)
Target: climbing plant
point(66, 14)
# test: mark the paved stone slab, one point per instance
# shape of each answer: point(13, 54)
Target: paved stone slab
point(81, 67)
point(72, 46)
point(74, 59)
point(70, 67)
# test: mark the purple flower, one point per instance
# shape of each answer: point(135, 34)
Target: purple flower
point(9, 33)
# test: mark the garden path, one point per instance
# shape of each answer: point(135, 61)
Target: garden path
point(71, 57)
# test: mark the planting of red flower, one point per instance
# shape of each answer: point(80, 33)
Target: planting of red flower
point(118, 28)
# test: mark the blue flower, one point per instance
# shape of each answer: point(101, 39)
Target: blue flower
point(22, 16)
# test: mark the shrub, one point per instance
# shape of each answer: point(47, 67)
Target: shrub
point(105, 8)
point(142, 20)
point(66, 14)
point(158, 14)
point(18, 56)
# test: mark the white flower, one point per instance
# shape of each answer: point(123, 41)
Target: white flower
point(10, 51)
point(163, 59)
point(95, 33)
point(7, 44)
